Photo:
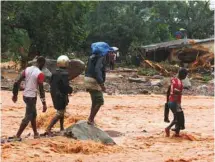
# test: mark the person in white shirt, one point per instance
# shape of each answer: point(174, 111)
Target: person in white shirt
point(34, 78)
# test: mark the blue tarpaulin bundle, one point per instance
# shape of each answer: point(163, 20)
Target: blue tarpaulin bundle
point(101, 48)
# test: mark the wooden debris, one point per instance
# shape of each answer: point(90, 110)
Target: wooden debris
point(157, 67)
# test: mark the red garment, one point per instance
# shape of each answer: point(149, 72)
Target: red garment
point(175, 84)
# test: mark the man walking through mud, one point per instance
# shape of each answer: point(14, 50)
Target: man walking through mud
point(95, 76)
point(33, 78)
point(174, 95)
point(59, 92)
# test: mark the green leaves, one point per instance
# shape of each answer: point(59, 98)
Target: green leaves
point(53, 27)
point(57, 27)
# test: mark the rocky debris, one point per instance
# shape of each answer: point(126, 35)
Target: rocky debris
point(202, 88)
point(5, 88)
point(137, 80)
point(165, 82)
point(157, 77)
point(211, 82)
point(83, 131)
point(124, 70)
point(197, 77)
point(118, 83)
point(7, 84)
point(157, 82)
point(186, 83)
point(144, 91)
point(156, 88)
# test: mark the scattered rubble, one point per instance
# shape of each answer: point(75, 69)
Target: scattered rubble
point(157, 77)
point(124, 70)
point(129, 81)
point(156, 82)
point(137, 80)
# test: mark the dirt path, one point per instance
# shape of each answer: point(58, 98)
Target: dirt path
point(134, 121)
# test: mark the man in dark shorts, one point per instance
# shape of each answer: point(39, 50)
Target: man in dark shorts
point(174, 102)
point(59, 92)
point(33, 78)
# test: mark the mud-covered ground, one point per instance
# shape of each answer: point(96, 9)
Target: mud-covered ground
point(118, 82)
point(134, 121)
point(132, 115)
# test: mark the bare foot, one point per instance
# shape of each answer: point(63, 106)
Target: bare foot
point(36, 135)
point(90, 122)
point(167, 132)
point(177, 135)
point(48, 133)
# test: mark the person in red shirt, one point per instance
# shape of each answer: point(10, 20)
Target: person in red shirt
point(174, 100)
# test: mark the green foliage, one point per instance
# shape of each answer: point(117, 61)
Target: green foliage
point(207, 78)
point(18, 45)
point(53, 27)
point(59, 27)
point(147, 72)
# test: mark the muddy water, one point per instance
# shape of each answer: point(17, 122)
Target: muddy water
point(135, 122)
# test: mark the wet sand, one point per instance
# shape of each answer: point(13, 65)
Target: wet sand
point(134, 121)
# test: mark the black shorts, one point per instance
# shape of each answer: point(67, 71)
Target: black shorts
point(31, 111)
point(60, 101)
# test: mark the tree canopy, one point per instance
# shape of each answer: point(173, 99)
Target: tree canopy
point(56, 27)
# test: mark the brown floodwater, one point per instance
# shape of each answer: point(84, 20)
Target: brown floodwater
point(134, 121)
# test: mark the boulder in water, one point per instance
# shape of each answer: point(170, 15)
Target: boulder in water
point(83, 131)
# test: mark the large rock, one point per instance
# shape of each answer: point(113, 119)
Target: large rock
point(76, 67)
point(83, 131)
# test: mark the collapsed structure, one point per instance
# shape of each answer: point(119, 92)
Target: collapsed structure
point(192, 54)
